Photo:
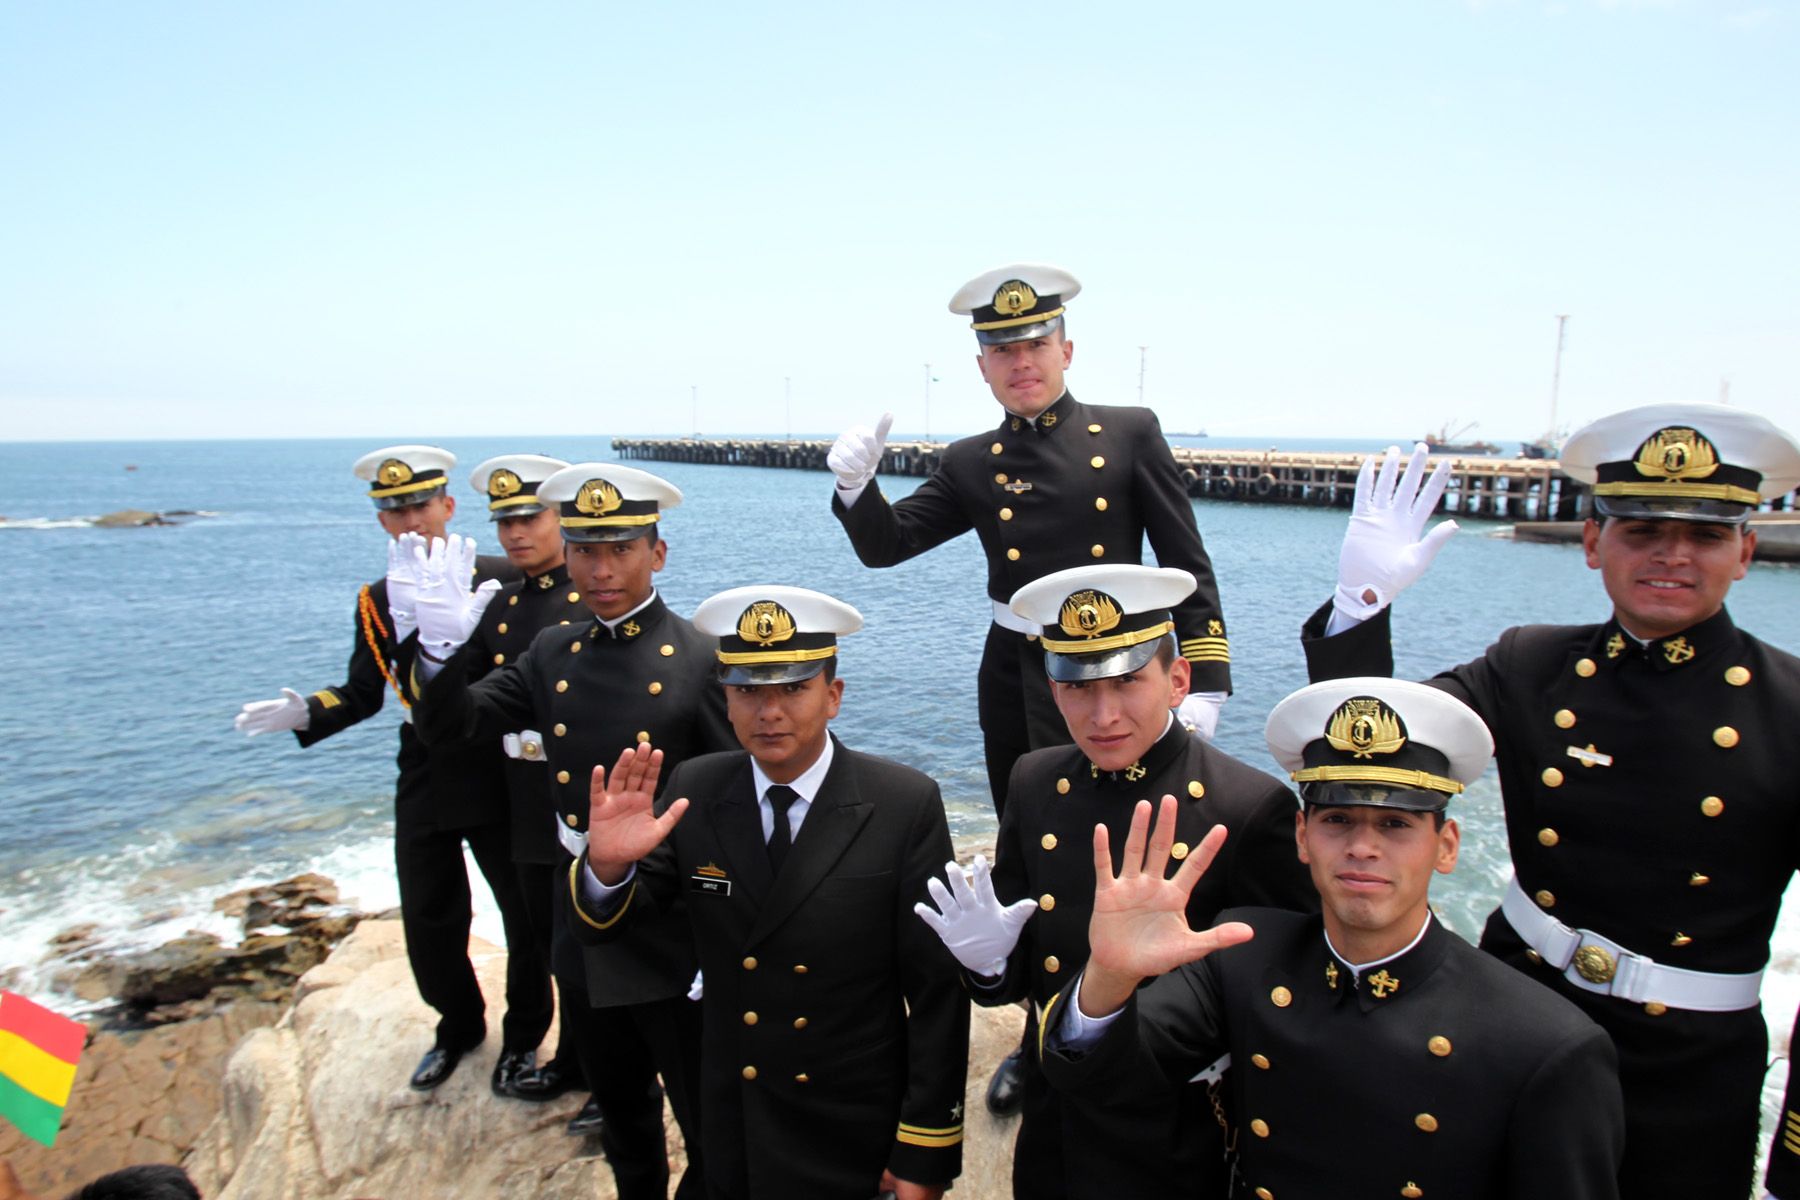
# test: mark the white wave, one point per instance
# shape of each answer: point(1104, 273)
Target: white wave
point(47, 523)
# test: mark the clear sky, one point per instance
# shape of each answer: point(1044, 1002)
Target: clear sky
point(1330, 219)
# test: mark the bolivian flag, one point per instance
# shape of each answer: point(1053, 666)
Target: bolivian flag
point(38, 1052)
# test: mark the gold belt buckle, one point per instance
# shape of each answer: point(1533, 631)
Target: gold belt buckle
point(1595, 964)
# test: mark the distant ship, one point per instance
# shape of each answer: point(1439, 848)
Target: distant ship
point(1444, 442)
point(1195, 433)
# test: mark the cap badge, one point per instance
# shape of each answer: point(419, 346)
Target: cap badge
point(597, 498)
point(1089, 614)
point(392, 473)
point(1014, 297)
point(1365, 727)
point(504, 483)
point(1676, 453)
point(766, 623)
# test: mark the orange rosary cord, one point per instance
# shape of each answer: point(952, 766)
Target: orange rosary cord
point(371, 621)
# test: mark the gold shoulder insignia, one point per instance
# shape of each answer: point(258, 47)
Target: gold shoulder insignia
point(1365, 727)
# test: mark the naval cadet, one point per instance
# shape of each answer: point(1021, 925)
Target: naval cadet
point(1375, 1053)
point(1647, 767)
point(531, 536)
point(632, 673)
point(837, 1031)
point(445, 796)
point(1110, 654)
point(1053, 468)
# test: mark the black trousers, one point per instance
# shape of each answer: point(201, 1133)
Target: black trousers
point(1017, 711)
point(537, 883)
point(435, 911)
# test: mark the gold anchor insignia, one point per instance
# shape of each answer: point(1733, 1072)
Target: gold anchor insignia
point(1048, 420)
point(1615, 645)
point(1015, 424)
point(630, 629)
point(1677, 650)
point(766, 623)
point(1331, 974)
point(392, 473)
point(1215, 627)
point(1093, 770)
point(1089, 614)
point(1014, 297)
point(545, 583)
point(1136, 771)
point(504, 483)
point(597, 498)
point(1383, 984)
point(1366, 727)
point(1677, 454)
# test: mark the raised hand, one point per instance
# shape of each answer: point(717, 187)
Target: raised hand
point(273, 716)
point(403, 584)
point(1383, 551)
point(622, 821)
point(971, 921)
point(856, 455)
point(448, 609)
point(1139, 927)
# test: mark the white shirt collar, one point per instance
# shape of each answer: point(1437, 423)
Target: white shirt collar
point(618, 621)
point(1357, 969)
point(806, 786)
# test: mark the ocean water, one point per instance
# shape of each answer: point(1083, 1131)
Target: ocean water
point(128, 800)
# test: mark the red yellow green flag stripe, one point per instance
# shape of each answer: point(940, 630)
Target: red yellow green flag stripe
point(38, 1053)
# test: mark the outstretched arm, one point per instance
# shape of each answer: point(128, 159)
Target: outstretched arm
point(623, 825)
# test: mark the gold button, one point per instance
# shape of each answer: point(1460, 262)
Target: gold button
point(1412, 1191)
point(514, 600)
point(1062, 787)
point(799, 1022)
point(1545, 899)
point(1259, 1127)
point(799, 968)
point(1427, 1122)
point(1006, 514)
point(1000, 478)
point(643, 735)
point(750, 963)
point(1737, 676)
point(749, 1072)
point(1098, 551)
point(1281, 997)
point(995, 448)
point(562, 685)
point(565, 623)
point(1046, 902)
point(803, 1077)
point(1656, 1008)
point(570, 818)
point(503, 627)
point(1548, 837)
point(1052, 964)
point(1725, 736)
point(1712, 806)
point(655, 687)
point(1048, 841)
point(750, 1018)
point(559, 729)
point(1196, 789)
point(1552, 777)
point(1699, 880)
point(1564, 718)
point(1100, 503)
point(1097, 462)
point(1264, 1194)
point(498, 659)
point(666, 650)
point(1261, 1061)
point(1439, 1045)
point(1178, 851)
point(574, 597)
point(563, 777)
point(1681, 939)
point(1534, 956)
point(575, 646)
point(1585, 667)
point(1013, 554)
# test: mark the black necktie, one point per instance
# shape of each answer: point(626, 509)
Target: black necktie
point(781, 839)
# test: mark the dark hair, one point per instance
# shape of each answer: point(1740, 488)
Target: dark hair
point(147, 1181)
point(1165, 652)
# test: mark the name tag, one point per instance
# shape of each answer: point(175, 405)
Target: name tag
point(707, 883)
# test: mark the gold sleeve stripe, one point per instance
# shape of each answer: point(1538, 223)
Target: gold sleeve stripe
point(1223, 656)
point(412, 679)
point(927, 1129)
point(1044, 1023)
point(575, 899)
point(932, 1140)
point(327, 698)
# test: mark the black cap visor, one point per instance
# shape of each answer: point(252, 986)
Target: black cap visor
point(1337, 794)
point(1672, 508)
point(1078, 668)
point(763, 674)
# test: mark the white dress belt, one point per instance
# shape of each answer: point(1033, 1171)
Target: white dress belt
point(1598, 964)
point(1006, 618)
point(573, 840)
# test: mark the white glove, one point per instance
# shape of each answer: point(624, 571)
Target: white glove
point(403, 584)
point(1383, 553)
point(1199, 711)
point(274, 716)
point(856, 454)
point(448, 610)
point(697, 989)
point(527, 744)
point(970, 920)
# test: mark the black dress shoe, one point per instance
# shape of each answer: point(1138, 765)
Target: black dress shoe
point(1006, 1090)
point(588, 1120)
point(547, 1082)
point(435, 1067)
point(513, 1066)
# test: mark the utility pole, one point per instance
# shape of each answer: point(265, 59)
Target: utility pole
point(1562, 321)
point(1143, 353)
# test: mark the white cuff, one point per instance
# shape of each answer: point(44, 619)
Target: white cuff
point(1080, 1031)
point(1349, 610)
point(600, 894)
point(849, 494)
